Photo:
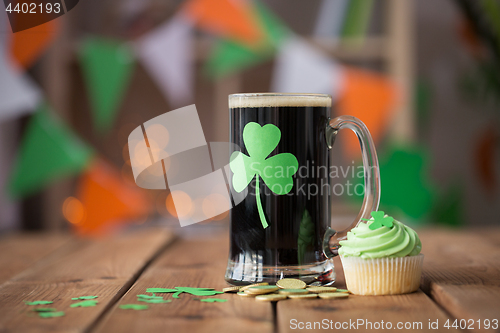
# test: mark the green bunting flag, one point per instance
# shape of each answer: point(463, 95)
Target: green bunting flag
point(49, 150)
point(107, 68)
point(405, 183)
point(229, 56)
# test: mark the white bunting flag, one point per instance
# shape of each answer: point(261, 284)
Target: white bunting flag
point(331, 18)
point(300, 68)
point(167, 54)
point(18, 94)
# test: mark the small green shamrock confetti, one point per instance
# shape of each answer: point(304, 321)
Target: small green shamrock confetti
point(51, 314)
point(213, 300)
point(379, 220)
point(179, 290)
point(160, 290)
point(83, 297)
point(133, 307)
point(260, 141)
point(38, 302)
point(84, 304)
point(149, 296)
point(44, 309)
point(154, 300)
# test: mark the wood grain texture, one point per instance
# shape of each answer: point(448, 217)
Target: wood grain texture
point(190, 263)
point(106, 268)
point(462, 272)
point(19, 251)
point(415, 308)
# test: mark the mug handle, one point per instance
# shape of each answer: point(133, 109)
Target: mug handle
point(372, 177)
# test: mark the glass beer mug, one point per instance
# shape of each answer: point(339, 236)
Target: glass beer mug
point(280, 224)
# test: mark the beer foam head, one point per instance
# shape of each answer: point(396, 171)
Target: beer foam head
point(261, 100)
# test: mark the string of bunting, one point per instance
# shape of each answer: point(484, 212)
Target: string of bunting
point(247, 32)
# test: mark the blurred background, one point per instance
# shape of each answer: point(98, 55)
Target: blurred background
point(423, 75)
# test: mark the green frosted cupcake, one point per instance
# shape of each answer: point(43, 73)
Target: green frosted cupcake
point(382, 259)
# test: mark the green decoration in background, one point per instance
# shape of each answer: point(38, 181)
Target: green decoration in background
point(149, 296)
point(153, 300)
point(448, 208)
point(51, 314)
point(357, 20)
point(275, 170)
point(49, 151)
point(38, 302)
point(228, 56)
point(405, 183)
point(379, 220)
point(107, 68)
point(83, 297)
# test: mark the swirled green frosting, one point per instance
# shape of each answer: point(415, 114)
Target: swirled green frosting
point(384, 242)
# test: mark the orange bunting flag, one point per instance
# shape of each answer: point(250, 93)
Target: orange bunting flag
point(104, 202)
point(233, 19)
point(27, 45)
point(370, 97)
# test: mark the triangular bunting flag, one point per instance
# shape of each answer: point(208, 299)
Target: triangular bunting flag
point(406, 183)
point(105, 201)
point(18, 94)
point(225, 18)
point(300, 68)
point(370, 97)
point(28, 45)
point(49, 151)
point(166, 53)
point(330, 20)
point(229, 56)
point(107, 67)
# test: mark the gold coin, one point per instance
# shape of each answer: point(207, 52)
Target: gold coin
point(343, 291)
point(241, 293)
point(293, 291)
point(333, 295)
point(254, 285)
point(270, 298)
point(231, 289)
point(260, 290)
point(304, 296)
point(321, 289)
point(291, 284)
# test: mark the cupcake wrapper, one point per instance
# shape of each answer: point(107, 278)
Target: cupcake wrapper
point(383, 276)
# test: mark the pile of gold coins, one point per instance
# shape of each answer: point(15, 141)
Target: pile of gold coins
point(286, 288)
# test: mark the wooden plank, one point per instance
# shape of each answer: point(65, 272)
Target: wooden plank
point(105, 267)
point(462, 273)
point(190, 263)
point(413, 308)
point(19, 251)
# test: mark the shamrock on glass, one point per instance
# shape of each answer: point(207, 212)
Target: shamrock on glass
point(276, 171)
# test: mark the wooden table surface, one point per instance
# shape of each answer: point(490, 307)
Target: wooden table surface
point(461, 280)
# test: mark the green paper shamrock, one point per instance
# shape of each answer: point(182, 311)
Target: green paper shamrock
point(51, 314)
point(83, 297)
point(149, 296)
point(276, 171)
point(154, 300)
point(38, 302)
point(213, 300)
point(84, 304)
point(379, 220)
point(133, 307)
point(179, 290)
